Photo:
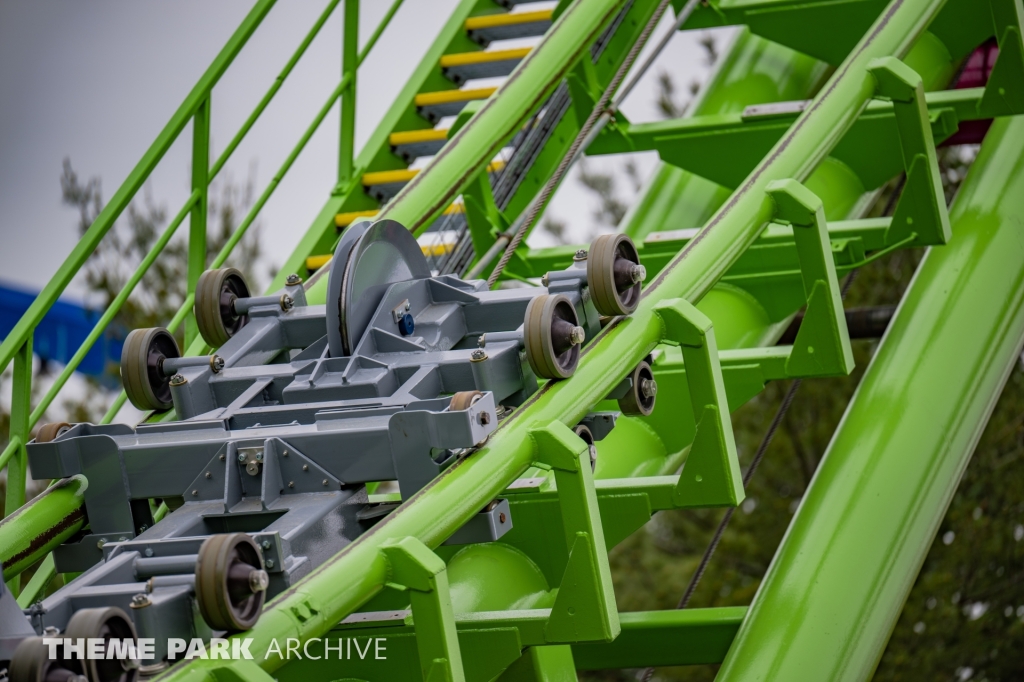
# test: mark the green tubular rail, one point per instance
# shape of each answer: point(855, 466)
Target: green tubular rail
point(347, 580)
point(838, 582)
point(30, 533)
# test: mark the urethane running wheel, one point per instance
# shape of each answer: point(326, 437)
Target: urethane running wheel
point(216, 293)
point(104, 623)
point(552, 336)
point(639, 400)
point(231, 585)
point(142, 367)
point(614, 274)
point(32, 663)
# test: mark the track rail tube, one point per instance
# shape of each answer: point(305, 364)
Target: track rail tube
point(355, 574)
point(30, 533)
point(838, 582)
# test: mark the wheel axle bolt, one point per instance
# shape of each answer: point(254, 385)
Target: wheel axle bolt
point(293, 279)
point(580, 255)
point(259, 580)
point(139, 601)
point(577, 336)
point(485, 418)
point(478, 355)
point(177, 380)
point(648, 388)
point(287, 302)
point(638, 273)
point(216, 363)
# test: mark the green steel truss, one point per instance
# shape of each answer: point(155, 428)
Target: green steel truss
point(756, 212)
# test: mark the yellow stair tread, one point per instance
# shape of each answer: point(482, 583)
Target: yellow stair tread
point(346, 219)
point(414, 136)
point(465, 58)
point(426, 99)
point(507, 19)
point(388, 177)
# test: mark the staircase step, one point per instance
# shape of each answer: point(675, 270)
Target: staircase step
point(508, 26)
point(433, 106)
point(469, 65)
point(343, 220)
point(413, 144)
point(383, 185)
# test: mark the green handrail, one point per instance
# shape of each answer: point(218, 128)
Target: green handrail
point(197, 108)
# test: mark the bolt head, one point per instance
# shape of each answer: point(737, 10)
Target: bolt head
point(265, 544)
point(195, 493)
point(478, 354)
point(501, 517)
point(293, 279)
point(241, 457)
point(209, 475)
point(259, 456)
point(178, 380)
point(638, 273)
point(577, 336)
point(580, 255)
point(287, 302)
point(100, 543)
point(259, 580)
point(216, 363)
point(325, 481)
point(545, 280)
point(291, 484)
point(140, 600)
point(305, 467)
point(269, 563)
point(149, 551)
point(648, 388)
point(485, 418)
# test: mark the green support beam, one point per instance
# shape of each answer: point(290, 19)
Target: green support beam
point(838, 582)
point(30, 533)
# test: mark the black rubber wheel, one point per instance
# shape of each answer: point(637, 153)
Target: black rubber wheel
point(104, 623)
point(587, 437)
point(49, 432)
point(552, 336)
point(216, 292)
point(639, 402)
point(231, 585)
point(463, 399)
point(31, 663)
point(614, 274)
point(141, 367)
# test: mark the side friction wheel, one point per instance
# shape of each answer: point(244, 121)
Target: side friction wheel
point(31, 663)
point(104, 623)
point(464, 399)
point(614, 274)
point(142, 367)
point(639, 400)
point(231, 585)
point(49, 432)
point(216, 293)
point(587, 437)
point(552, 336)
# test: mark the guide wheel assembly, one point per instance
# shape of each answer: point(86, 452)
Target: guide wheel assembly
point(614, 274)
point(552, 336)
point(231, 585)
point(142, 374)
point(216, 293)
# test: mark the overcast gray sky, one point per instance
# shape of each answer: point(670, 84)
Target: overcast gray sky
point(96, 81)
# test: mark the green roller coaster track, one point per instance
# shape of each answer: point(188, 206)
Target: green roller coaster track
point(755, 213)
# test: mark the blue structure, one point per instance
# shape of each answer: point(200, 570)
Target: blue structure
point(62, 332)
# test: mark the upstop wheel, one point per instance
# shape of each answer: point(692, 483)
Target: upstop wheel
point(216, 293)
point(552, 336)
point(104, 623)
point(231, 585)
point(639, 400)
point(587, 436)
point(31, 663)
point(463, 400)
point(614, 274)
point(142, 367)
point(49, 432)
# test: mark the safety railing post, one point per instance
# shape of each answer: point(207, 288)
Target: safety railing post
point(349, 64)
point(197, 221)
point(21, 406)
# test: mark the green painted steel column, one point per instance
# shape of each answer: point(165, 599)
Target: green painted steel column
point(837, 585)
point(33, 531)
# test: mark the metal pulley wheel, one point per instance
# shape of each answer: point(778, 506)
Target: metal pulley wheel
point(552, 336)
point(587, 437)
point(370, 258)
point(464, 399)
point(639, 400)
point(49, 432)
point(32, 663)
point(142, 367)
point(104, 623)
point(614, 274)
point(231, 585)
point(216, 293)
